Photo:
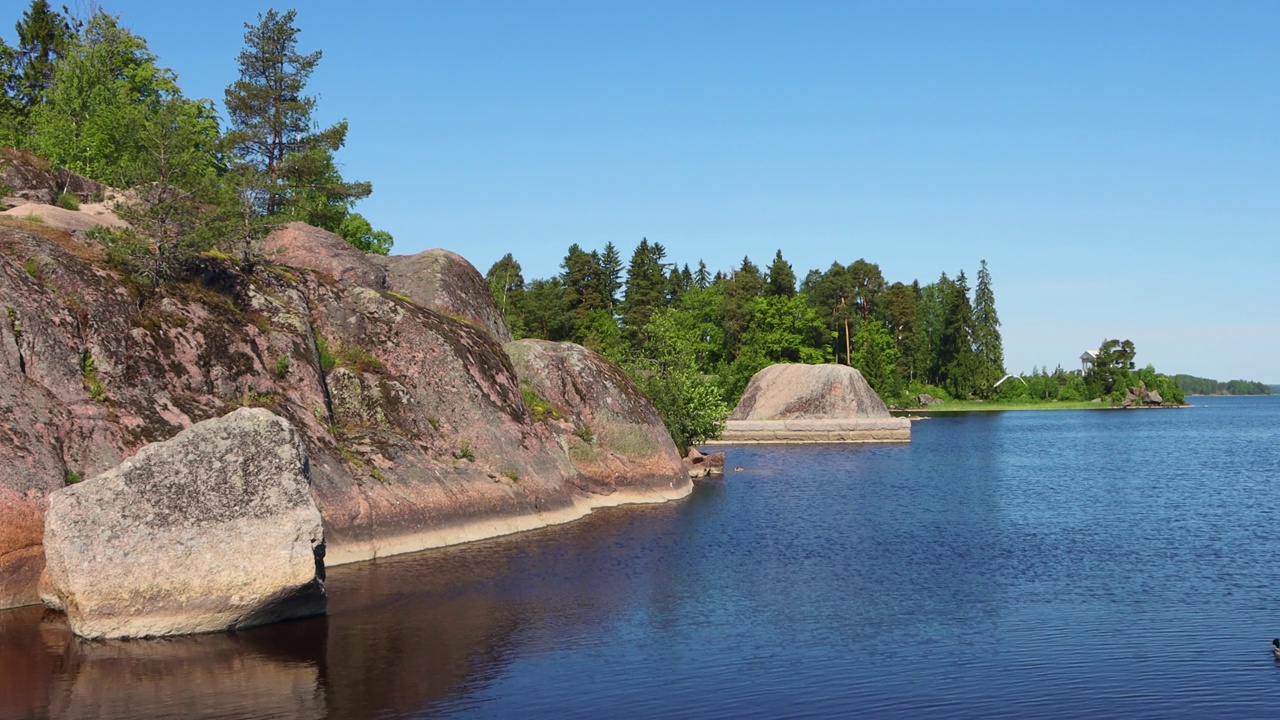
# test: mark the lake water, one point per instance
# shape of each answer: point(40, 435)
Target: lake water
point(1051, 564)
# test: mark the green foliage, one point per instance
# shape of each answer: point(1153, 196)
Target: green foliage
point(538, 407)
point(1110, 371)
point(68, 201)
point(876, 356)
point(464, 452)
point(73, 477)
point(282, 366)
point(94, 117)
point(583, 433)
point(780, 329)
point(506, 283)
point(357, 231)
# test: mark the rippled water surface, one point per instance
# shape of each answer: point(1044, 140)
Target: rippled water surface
point(1054, 564)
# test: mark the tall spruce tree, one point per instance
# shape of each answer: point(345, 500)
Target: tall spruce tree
point(646, 287)
point(781, 280)
point(987, 345)
point(273, 130)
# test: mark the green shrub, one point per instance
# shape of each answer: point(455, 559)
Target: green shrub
point(465, 452)
point(68, 201)
point(282, 366)
point(584, 433)
point(73, 477)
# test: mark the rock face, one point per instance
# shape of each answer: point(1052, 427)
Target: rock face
point(612, 434)
point(812, 403)
point(213, 530)
point(34, 180)
point(303, 246)
point(700, 465)
point(444, 281)
point(414, 423)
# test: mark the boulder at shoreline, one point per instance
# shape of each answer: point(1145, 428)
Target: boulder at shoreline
point(793, 403)
point(213, 530)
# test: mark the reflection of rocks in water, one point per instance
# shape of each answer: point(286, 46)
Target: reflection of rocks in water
point(30, 653)
point(253, 673)
point(404, 636)
point(417, 632)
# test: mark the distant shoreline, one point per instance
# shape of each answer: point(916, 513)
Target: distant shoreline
point(1019, 407)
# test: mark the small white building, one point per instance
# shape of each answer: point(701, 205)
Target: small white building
point(1087, 360)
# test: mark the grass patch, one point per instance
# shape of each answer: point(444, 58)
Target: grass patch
point(73, 477)
point(282, 367)
point(464, 452)
point(67, 201)
point(583, 432)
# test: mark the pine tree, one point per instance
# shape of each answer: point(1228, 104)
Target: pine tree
point(781, 280)
point(272, 127)
point(987, 345)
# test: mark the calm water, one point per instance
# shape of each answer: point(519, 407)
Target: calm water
point(1063, 564)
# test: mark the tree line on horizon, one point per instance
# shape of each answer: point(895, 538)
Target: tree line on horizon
point(692, 339)
point(86, 94)
point(1192, 385)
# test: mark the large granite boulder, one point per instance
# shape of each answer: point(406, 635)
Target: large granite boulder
point(812, 403)
point(444, 281)
point(300, 245)
point(808, 392)
point(612, 433)
point(213, 530)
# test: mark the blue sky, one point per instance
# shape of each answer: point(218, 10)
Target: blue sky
point(1116, 164)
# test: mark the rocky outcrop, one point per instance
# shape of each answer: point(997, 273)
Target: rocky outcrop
point(34, 180)
point(86, 218)
point(301, 245)
point(812, 403)
point(445, 282)
point(703, 465)
point(1142, 397)
point(610, 431)
point(414, 422)
point(212, 530)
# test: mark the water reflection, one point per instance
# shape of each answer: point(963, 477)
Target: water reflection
point(402, 635)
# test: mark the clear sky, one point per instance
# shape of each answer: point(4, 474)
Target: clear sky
point(1116, 163)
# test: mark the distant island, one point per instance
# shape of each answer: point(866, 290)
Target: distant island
point(1192, 385)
